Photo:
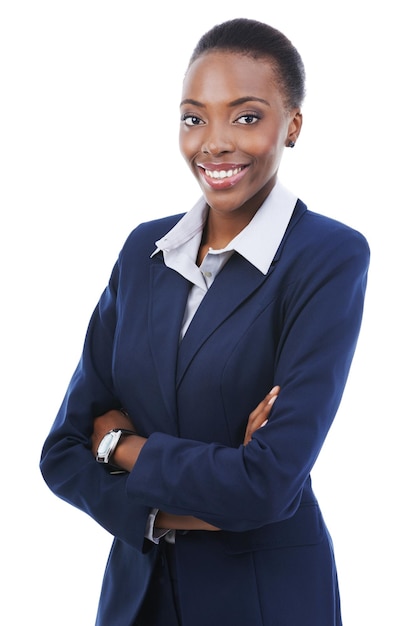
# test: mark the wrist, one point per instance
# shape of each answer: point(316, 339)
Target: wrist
point(127, 451)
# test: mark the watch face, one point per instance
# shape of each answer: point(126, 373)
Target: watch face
point(104, 444)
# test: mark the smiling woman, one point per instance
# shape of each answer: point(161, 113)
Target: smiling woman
point(213, 367)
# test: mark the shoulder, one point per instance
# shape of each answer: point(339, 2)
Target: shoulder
point(142, 239)
point(310, 230)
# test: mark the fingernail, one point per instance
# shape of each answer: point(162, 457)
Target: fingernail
point(272, 400)
point(264, 423)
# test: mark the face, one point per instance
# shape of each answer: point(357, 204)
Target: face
point(234, 128)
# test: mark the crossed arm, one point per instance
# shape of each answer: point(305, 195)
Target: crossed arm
point(129, 449)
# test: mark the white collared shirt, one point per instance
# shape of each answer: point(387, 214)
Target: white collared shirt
point(257, 243)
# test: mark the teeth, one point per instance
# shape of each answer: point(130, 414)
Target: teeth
point(222, 173)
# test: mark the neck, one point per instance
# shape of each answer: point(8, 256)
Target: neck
point(218, 232)
point(224, 225)
point(220, 229)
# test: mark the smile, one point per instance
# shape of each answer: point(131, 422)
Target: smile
point(224, 176)
point(223, 173)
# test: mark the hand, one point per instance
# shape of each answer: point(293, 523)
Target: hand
point(181, 522)
point(258, 418)
point(108, 421)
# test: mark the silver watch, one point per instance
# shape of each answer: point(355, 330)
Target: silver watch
point(108, 444)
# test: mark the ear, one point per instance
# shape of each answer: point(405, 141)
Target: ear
point(294, 127)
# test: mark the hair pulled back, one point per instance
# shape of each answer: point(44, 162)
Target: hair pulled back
point(259, 40)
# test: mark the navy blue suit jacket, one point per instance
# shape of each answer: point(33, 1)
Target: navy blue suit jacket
point(297, 327)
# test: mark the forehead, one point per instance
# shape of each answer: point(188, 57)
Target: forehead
point(230, 75)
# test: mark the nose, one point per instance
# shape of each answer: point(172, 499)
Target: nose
point(217, 140)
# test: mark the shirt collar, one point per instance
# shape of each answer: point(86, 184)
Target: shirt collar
point(257, 242)
point(191, 224)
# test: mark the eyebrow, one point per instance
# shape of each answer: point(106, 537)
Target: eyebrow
point(234, 103)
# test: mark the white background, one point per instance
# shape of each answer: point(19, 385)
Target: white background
point(89, 122)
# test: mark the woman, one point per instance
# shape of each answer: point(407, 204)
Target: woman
point(247, 298)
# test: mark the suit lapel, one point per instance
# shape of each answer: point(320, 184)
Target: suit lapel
point(235, 283)
point(168, 298)
point(238, 280)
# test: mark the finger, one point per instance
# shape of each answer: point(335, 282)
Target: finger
point(259, 416)
point(251, 428)
point(265, 405)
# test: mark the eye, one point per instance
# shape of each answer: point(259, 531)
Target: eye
point(248, 119)
point(191, 120)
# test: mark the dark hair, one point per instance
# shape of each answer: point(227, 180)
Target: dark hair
point(259, 40)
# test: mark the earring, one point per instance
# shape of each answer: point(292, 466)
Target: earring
point(291, 144)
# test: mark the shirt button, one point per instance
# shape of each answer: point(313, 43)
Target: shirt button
point(207, 274)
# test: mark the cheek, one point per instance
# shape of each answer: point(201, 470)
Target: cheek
point(188, 144)
point(267, 148)
point(269, 142)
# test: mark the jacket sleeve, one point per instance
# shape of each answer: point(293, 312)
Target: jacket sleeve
point(67, 463)
point(244, 488)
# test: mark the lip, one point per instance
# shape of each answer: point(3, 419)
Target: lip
point(221, 175)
